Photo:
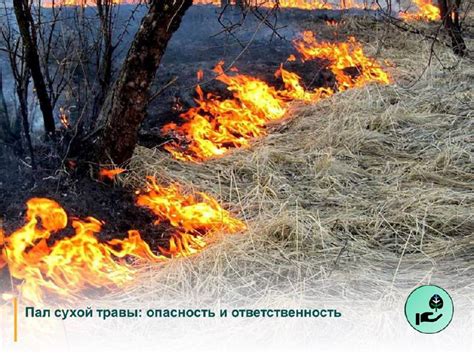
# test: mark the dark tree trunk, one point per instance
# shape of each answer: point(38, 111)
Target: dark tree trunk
point(125, 107)
point(22, 92)
point(5, 126)
point(104, 10)
point(449, 10)
point(28, 36)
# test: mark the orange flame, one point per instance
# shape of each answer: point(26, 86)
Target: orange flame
point(110, 173)
point(63, 117)
point(297, 4)
point(217, 125)
point(300, 4)
point(343, 57)
point(294, 89)
point(83, 3)
point(425, 11)
point(332, 23)
point(200, 75)
point(69, 266)
point(192, 215)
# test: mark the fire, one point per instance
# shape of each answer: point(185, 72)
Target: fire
point(110, 173)
point(67, 266)
point(294, 90)
point(300, 4)
point(296, 4)
point(200, 75)
point(83, 3)
point(343, 57)
point(425, 11)
point(216, 124)
point(64, 117)
point(192, 215)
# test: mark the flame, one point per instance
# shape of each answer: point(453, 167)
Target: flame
point(297, 4)
point(294, 89)
point(192, 215)
point(217, 124)
point(425, 11)
point(64, 117)
point(84, 3)
point(200, 75)
point(300, 4)
point(110, 173)
point(69, 266)
point(343, 57)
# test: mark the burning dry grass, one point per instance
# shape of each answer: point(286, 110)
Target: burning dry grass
point(216, 125)
point(370, 188)
point(348, 194)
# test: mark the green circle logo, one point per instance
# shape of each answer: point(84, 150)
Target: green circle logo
point(429, 309)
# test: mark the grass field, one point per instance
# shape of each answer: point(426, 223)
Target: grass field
point(372, 187)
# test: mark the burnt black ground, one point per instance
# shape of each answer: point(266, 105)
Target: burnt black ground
point(254, 49)
point(81, 196)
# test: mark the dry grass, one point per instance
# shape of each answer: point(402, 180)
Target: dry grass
point(371, 189)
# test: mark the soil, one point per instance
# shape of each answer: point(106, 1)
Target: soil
point(81, 196)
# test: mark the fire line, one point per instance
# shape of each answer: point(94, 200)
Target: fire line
point(216, 125)
point(424, 11)
point(67, 267)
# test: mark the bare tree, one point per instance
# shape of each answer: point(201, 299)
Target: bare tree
point(8, 134)
point(29, 39)
point(104, 9)
point(13, 46)
point(124, 110)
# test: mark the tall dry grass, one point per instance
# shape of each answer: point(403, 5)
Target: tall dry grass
point(369, 189)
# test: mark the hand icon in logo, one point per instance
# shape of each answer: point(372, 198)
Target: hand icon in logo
point(425, 317)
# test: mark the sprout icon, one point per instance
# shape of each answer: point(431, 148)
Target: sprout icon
point(436, 302)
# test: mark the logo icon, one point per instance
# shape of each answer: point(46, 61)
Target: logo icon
point(429, 309)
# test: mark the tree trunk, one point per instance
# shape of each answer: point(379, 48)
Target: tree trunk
point(5, 127)
point(28, 36)
point(22, 93)
point(104, 10)
point(449, 11)
point(125, 107)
